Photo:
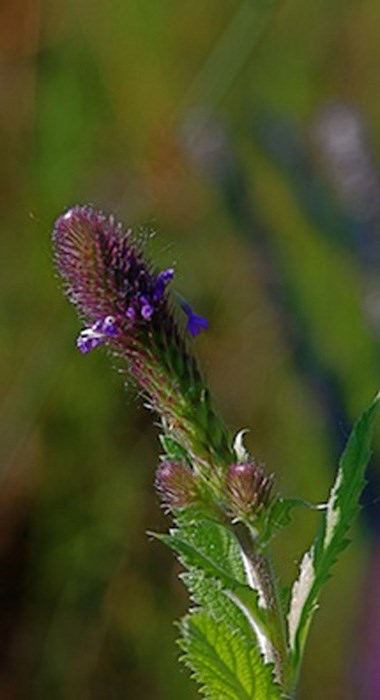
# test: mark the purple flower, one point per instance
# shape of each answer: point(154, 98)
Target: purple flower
point(94, 335)
point(162, 280)
point(146, 308)
point(195, 324)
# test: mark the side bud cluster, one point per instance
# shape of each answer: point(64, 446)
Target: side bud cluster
point(245, 493)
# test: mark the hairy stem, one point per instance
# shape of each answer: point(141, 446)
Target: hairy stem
point(261, 577)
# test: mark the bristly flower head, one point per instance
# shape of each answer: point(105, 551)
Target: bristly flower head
point(176, 485)
point(125, 303)
point(106, 275)
point(248, 489)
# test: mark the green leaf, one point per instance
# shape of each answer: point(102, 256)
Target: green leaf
point(217, 543)
point(192, 556)
point(210, 595)
point(214, 539)
point(342, 507)
point(225, 666)
point(212, 549)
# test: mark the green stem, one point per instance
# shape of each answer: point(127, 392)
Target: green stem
point(262, 577)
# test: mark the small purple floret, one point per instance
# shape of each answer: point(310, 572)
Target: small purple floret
point(131, 313)
point(146, 309)
point(162, 281)
point(108, 327)
point(96, 334)
point(86, 341)
point(195, 324)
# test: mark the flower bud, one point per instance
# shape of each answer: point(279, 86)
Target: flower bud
point(175, 483)
point(248, 488)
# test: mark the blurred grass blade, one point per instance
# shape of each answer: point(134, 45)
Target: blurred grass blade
point(230, 53)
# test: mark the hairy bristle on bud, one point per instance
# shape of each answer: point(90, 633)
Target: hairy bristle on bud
point(176, 485)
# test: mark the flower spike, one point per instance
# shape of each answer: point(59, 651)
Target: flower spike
point(126, 305)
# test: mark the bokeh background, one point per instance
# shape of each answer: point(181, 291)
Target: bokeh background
point(247, 135)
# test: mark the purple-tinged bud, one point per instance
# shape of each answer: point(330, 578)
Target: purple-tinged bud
point(176, 485)
point(248, 489)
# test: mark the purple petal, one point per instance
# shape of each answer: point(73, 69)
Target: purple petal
point(88, 340)
point(196, 324)
point(96, 334)
point(166, 275)
point(108, 327)
point(147, 311)
point(161, 282)
point(146, 308)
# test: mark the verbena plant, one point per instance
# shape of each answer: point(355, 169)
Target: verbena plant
point(242, 638)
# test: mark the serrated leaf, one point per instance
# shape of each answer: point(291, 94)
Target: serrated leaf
point(209, 594)
point(219, 543)
point(224, 665)
point(217, 571)
point(195, 556)
point(342, 506)
point(214, 539)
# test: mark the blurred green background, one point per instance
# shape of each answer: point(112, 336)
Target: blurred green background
point(247, 134)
